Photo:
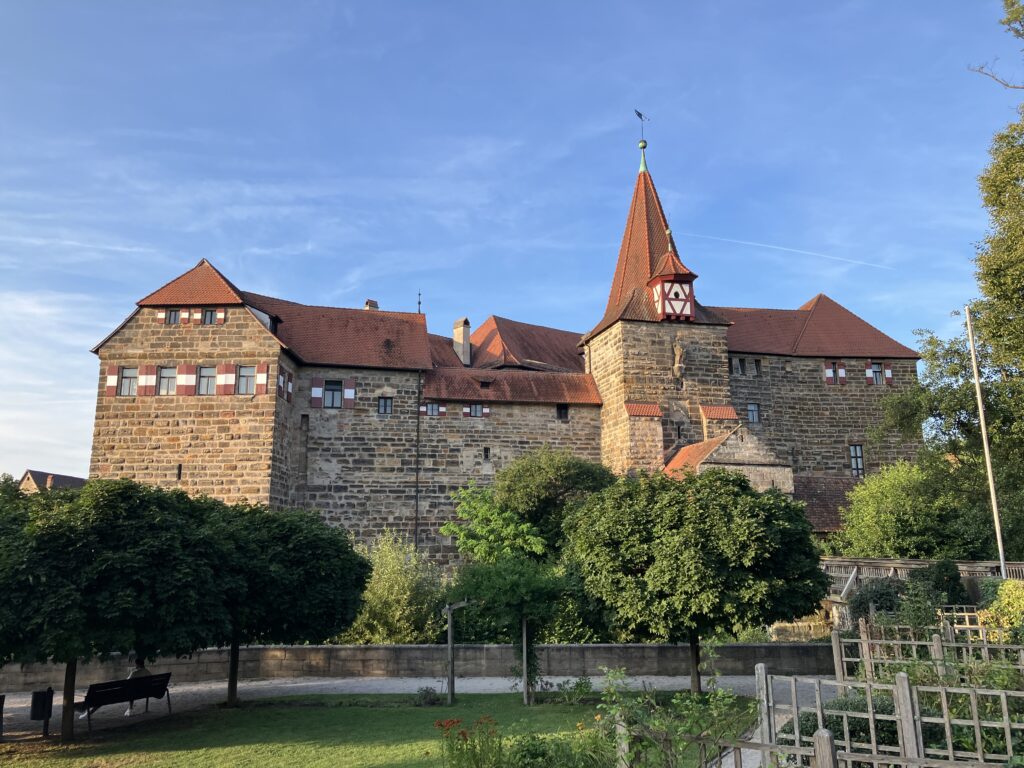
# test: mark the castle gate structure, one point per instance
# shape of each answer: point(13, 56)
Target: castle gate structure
point(366, 417)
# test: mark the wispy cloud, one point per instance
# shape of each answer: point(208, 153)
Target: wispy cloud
point(771, 247)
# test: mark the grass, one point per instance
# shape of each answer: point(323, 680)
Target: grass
point(340, 731)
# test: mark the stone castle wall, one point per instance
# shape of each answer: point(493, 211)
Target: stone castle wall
point(222, 442)
point(811, 423)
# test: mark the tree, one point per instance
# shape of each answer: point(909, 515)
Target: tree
point(403, 597)
point(516, 594)
point(112, 567)
point(679, 559)
point(522, 514)
point(288, 577)
point(904, 511)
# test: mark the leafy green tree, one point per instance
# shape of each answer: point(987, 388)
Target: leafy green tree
point(403, 597)
point(522, 514)
point(516, 594)
point(943, 579)
point(287, 577)
point(680, 559)
point(113, 567)
point(908, 510)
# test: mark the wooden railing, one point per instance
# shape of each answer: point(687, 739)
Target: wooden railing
point(847, 572)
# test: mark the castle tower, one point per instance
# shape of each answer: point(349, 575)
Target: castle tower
point(659, 358)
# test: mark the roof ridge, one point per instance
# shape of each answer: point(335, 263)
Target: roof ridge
point(327, 306)
point(811, 305)
point(227, 283)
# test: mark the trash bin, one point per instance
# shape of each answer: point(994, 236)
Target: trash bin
point(42, 708)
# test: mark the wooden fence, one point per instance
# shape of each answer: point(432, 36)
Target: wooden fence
point(893, 720)
point(847, 573)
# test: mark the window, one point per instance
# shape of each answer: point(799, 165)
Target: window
point(562, 411)
point(857, 460)
point(178, 474)
point(476, 409)
point(485, 385)
point(167, 381)
point(833, 372)
point(739, 366)
point(129, 383)
point(757, 367)
point(877, 374)
point(333, 392)
point(207, 381)
point(487, 454)
point(680, 432)
point(433, 409)
point(246, 382)
point(385, 405)
point(173, 316)
point(209, 316)
point(753, 413)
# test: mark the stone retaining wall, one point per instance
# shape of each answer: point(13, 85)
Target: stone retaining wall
point(429, 661)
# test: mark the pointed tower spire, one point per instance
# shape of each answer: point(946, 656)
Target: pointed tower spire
point(647, 252)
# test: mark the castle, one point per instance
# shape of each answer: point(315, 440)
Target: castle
point(365, 416)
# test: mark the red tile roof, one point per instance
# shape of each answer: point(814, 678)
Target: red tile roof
point(646, 249)
point(442, 353)
point(718, 412)
point(501, 342)
point(202, 284)
point(690, 457)
point(820, 328)
point(509, 386)
point(643, 409)
point(356, 338)
point(823, 497)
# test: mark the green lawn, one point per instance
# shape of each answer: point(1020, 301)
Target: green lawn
point(308, 731)
point(353, 732)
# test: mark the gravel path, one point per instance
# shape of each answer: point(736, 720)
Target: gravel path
point(192, 696)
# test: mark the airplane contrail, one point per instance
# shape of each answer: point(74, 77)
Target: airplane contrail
point(789, 250)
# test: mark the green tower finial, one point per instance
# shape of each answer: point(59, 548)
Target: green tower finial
point(643, 156)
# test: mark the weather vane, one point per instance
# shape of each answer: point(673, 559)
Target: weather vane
point(643, 119)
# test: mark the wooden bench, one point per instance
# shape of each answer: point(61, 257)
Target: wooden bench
point(125, 692)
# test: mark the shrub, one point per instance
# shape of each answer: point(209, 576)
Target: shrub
point(426, 697)
point(883, 593)
point(586, 748)
point(989, 589)
point(403, 598)
point(1007, 610)
point(574, 691)
point(885, 730)
point(942, 578)
point(919, 605)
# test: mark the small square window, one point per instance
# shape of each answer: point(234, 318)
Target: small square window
point(433, 409)
point(753, 413)
point(739, 366)
point(246, 384)
point(333, 391)
point(833, 368)
point(680, 432)
point(757, 366)
point(173, 316)
point(385, 405)
point(476, 409)
point(876, 373)
point(485, 385)
point(167, 380)
point(562, 411)
point(207, 381)
point(857, 460)
point(128, 386)
point(209, 316)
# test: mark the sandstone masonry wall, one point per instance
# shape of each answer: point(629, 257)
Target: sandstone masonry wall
point(221, 442)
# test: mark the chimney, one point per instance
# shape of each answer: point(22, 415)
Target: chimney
point(49, 482)
point(371, 304)
point(460, 341)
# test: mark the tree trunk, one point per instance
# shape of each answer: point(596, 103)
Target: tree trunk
point(67, 712)
point(233, 675)
point(695, 664)
point(526, 668)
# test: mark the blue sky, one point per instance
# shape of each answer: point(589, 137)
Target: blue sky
point(483, 153)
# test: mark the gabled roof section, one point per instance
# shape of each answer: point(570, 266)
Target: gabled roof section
point(442, 353)
point(202, 284)
point(356, 338)
point(52, 480)
point(504, 343)
point(647, 250)
point(820, 328)
point(690, 457)
point(509, 386)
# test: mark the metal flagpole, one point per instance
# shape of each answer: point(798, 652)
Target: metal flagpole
point(984, 443)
